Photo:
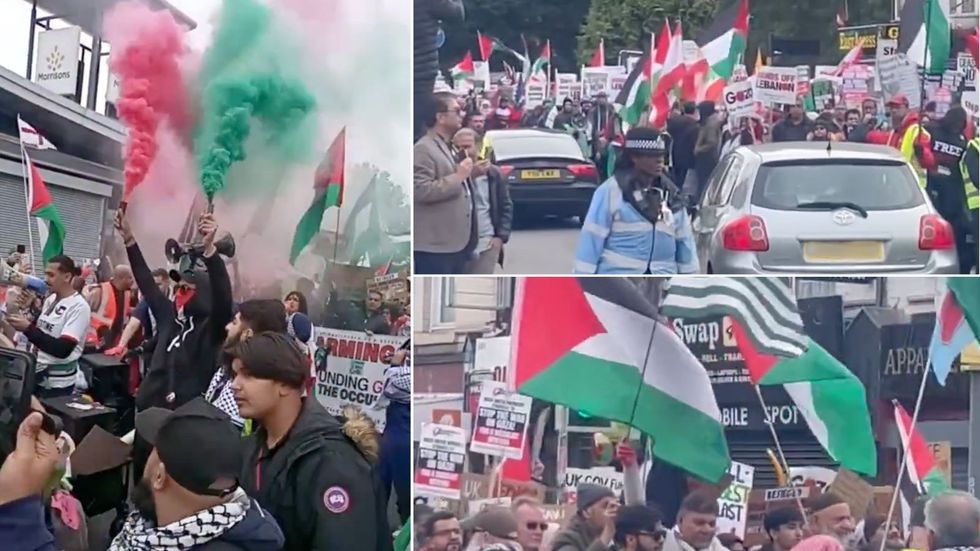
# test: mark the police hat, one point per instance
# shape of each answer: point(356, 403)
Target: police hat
point(645, 141)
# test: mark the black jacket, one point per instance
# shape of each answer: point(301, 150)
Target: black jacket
point(185, 356)
point(945, 181)
point(786, 131)
point(501, 207)
point(319, 466)
point(684, 130)
point(256, 532)
point(427, 14)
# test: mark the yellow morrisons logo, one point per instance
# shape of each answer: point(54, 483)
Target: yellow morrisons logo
point(54, 61)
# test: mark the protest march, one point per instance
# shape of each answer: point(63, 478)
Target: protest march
point(677, 148)
point(698, 413)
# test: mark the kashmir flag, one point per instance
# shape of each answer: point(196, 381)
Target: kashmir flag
point(776, 350)
point(328, 186)
point(670, 78)
point(924, 33)
point(921, 466)
point(31, 137)
point(634, 99)
point(464, 69)
point(50, 228)
point(599, 57)
point(953, 332)
point(574, 336)
point(723, 45)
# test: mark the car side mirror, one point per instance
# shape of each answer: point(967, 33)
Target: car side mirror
point(16, 387)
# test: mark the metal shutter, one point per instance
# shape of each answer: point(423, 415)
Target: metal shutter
point(82, 214)
point(801, 449)
point(960, 466)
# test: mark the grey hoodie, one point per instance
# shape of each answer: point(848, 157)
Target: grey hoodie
point(577, 536)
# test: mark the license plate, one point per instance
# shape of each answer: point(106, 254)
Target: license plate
point(540, 174)
point(844, 251)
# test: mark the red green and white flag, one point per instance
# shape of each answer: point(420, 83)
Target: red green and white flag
point(849, 59)
point(574, 336)
point(50, 228)
point(671, 76)
point(723, 45)
point(543, 63)
point(634, 98)
point(328, 186)
point(922, 468)
point(31, 137)
point(924, 33)
point(777, 351)
point(489, 45)
point(464, 69)
point(599, 57)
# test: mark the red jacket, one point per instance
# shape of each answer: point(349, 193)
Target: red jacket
point(894, 139)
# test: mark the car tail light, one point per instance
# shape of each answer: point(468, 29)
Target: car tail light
point(506, 170)
point(935, 233)
point(584, 171)
point(747, 233)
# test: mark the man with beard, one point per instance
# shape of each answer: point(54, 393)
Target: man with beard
point(188, 496)
point(831, 516)
point(874, 531)
point(594, 524)
point(253, 317)
point(440, 531)
point(315, 474)
point(638, 528)
point(696, 525)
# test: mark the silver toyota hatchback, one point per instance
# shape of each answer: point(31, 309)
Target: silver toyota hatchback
point(814, 207)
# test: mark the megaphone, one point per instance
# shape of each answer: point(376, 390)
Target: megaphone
point(185, 256)
point(10, 276)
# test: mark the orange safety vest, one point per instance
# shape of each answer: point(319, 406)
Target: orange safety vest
point(107, 312)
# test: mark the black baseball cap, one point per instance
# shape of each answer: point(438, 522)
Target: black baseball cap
point(198, 444)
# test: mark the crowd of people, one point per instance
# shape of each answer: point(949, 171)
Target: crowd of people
point(231, 449)
point(464, 213)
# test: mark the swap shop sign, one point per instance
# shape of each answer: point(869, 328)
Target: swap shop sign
point(500, 427)
point(439, 465)
point(354, 373)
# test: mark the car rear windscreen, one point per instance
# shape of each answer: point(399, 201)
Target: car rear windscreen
point(530, 147)
point(872, 185)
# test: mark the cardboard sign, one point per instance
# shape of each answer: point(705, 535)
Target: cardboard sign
point(734, 500)
point(439, 467)
point(850, 487)
point(556, 514)
point(354, 374)
point(942, 454)
point(477, 506)
point(603, 476)
point(500, 426)
point(776, 85)
point(393, 287)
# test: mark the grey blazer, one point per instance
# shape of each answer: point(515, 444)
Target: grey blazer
point(443, 207)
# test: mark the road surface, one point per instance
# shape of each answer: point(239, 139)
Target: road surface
point(541, 246)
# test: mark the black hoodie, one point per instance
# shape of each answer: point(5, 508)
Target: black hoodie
point(183, 360)
point(321, 484)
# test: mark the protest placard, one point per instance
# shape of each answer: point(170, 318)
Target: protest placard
point(850, 487)
point(791, 493)
point(500, 426)
point(441, 455)
point(734, 500)
point(594, 80)
point(776, 85)
point(603, 476)
point(738, 98)
point(899, 75)
point(815, 477)
point(556, 514)
point(476, 506)
point(534, 94)
point(354, 371)
point(565, 83)
point(802, 80)
point(942, 454)
point(858, 82)
point(393, 287)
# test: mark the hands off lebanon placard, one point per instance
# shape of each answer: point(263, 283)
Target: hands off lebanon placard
point(501, 421)
point(733, 504)
point(439, 467)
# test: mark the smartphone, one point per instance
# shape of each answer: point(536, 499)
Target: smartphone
point(21, 249)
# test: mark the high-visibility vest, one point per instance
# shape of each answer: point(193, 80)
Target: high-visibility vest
point(107, 311)
point(969, 186)
point(907, 147)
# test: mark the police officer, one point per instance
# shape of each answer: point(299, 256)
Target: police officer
point(945, 181)
point(968, 170)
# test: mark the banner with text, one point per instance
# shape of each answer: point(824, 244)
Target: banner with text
point(734, 501)
point(441, 455)
point(500, 427)
point(776, 85)
point(603, 476)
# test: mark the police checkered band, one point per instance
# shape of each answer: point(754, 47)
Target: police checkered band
point(646, 145)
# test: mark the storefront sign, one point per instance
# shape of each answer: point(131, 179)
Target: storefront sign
point(734, 501)
point(354, 374)
point(441, 455)
point(904, 359)
point(500, 426)
point(848, 38)
point(57, 60)
point(750, 417)
point(603, 476)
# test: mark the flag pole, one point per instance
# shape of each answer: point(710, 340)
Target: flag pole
point(922, 103)
point(779, 447)
point(27, 201)
point(905, 453)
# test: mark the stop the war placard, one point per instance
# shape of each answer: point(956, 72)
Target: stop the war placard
point(733, 504)
point(439, 466)
point(354, 373)
point(500, 426)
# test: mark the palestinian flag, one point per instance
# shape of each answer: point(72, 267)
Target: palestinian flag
point(634, 99)
point(543, 63)
point(922, 468)
point(924, 33)
point(599, 57)
point(464, 69)
point(50, 228)
point(489, 45)
point(328, 186)
point(723, 45)
point(776, 350)
point(574, 336)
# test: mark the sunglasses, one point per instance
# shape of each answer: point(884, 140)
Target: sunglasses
point(537, 526)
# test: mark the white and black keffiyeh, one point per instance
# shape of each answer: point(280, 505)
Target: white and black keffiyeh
point(140, 535)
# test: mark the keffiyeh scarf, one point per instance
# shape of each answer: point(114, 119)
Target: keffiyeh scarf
point(138, 534)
